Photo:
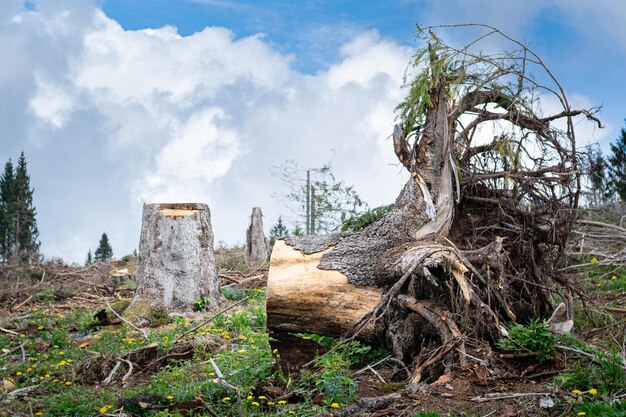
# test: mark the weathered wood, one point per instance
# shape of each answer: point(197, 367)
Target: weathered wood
point(303, 298)
point(257, 248)
point(332, 284)
point(176, 261)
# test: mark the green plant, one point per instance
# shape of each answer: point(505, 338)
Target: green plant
point(601, 409)
point(356, 223)
point(335, 380)
point(536, 338)
point(233, 293)
point(605, 373)
point(45, 295)
point(77, 401)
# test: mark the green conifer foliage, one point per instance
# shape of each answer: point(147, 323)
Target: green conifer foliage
point(104, 251)
point(24, 215)
point(18, 225)
point(278, 231)
point(6, 224)
point(617, 165)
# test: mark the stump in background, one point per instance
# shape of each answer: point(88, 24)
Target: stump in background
point(257, 248)
point(176, 261)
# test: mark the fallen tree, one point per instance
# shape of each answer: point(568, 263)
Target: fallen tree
point(479, 229)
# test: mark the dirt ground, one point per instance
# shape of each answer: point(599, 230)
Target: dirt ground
point(486, 385)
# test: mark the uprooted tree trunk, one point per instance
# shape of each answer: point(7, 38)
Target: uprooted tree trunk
point(436, 269)
point(176, 261)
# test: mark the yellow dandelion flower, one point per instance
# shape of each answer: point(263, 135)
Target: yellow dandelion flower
point(334, 405)
point(61, 353)
point(261, 397)
point(270, 403)
point(594, 260)
point(105, 408)
point(614, 278)
point(56, 346)
point(275, 351)
point(577, 392)
point(281, 402)
point(166, 338)
point(47, 375)
point(40, 328)
point(582, 413)
point(22, 335)
point(598, 285)
point(254, 403)
point(170, 397)
point(593, 391)
point(68, 383)
point(249, 397)
point(18, 374)
point(226, 398)
point(39, 413)
point(292, 412)
point(69, 361)
point(211, 373)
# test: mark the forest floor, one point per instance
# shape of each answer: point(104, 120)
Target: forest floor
point(64, 353)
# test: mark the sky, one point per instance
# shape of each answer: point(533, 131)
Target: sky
point(118, 102)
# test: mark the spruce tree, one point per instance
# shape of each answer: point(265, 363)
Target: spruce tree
point(24, 215)
point(598, 182)
point(617, 165)
point(89, 259)
point(6, 211)
point(104, 251)
point(278, 231)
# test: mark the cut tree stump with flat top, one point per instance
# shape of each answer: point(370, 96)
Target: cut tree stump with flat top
point(176, 261)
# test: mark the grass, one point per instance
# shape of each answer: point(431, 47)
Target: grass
point(56, 352)
point(54, 359)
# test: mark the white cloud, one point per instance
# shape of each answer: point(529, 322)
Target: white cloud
point(52, 103)
point(153, 115)
point(120, 116)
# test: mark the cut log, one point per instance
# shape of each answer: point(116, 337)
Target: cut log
point(257, 248)
point(176, 261)
point(303, 298)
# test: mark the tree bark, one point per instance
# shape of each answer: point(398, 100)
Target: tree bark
point(176, 261)
point(257, 248)
point(335, 284)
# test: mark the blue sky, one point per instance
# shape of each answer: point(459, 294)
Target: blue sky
point(117, 102)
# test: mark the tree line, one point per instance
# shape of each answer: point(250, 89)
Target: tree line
point(18, 224)
point(607, 175)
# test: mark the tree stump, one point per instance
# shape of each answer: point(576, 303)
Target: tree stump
point(176, 262)
point(257, 248)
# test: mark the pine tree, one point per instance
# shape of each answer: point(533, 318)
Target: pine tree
point(89, 259)
point(617, 165)
point(6, 211)
point(24, 215)
point(279, 230)
point(598, 182)
point(104, 251)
